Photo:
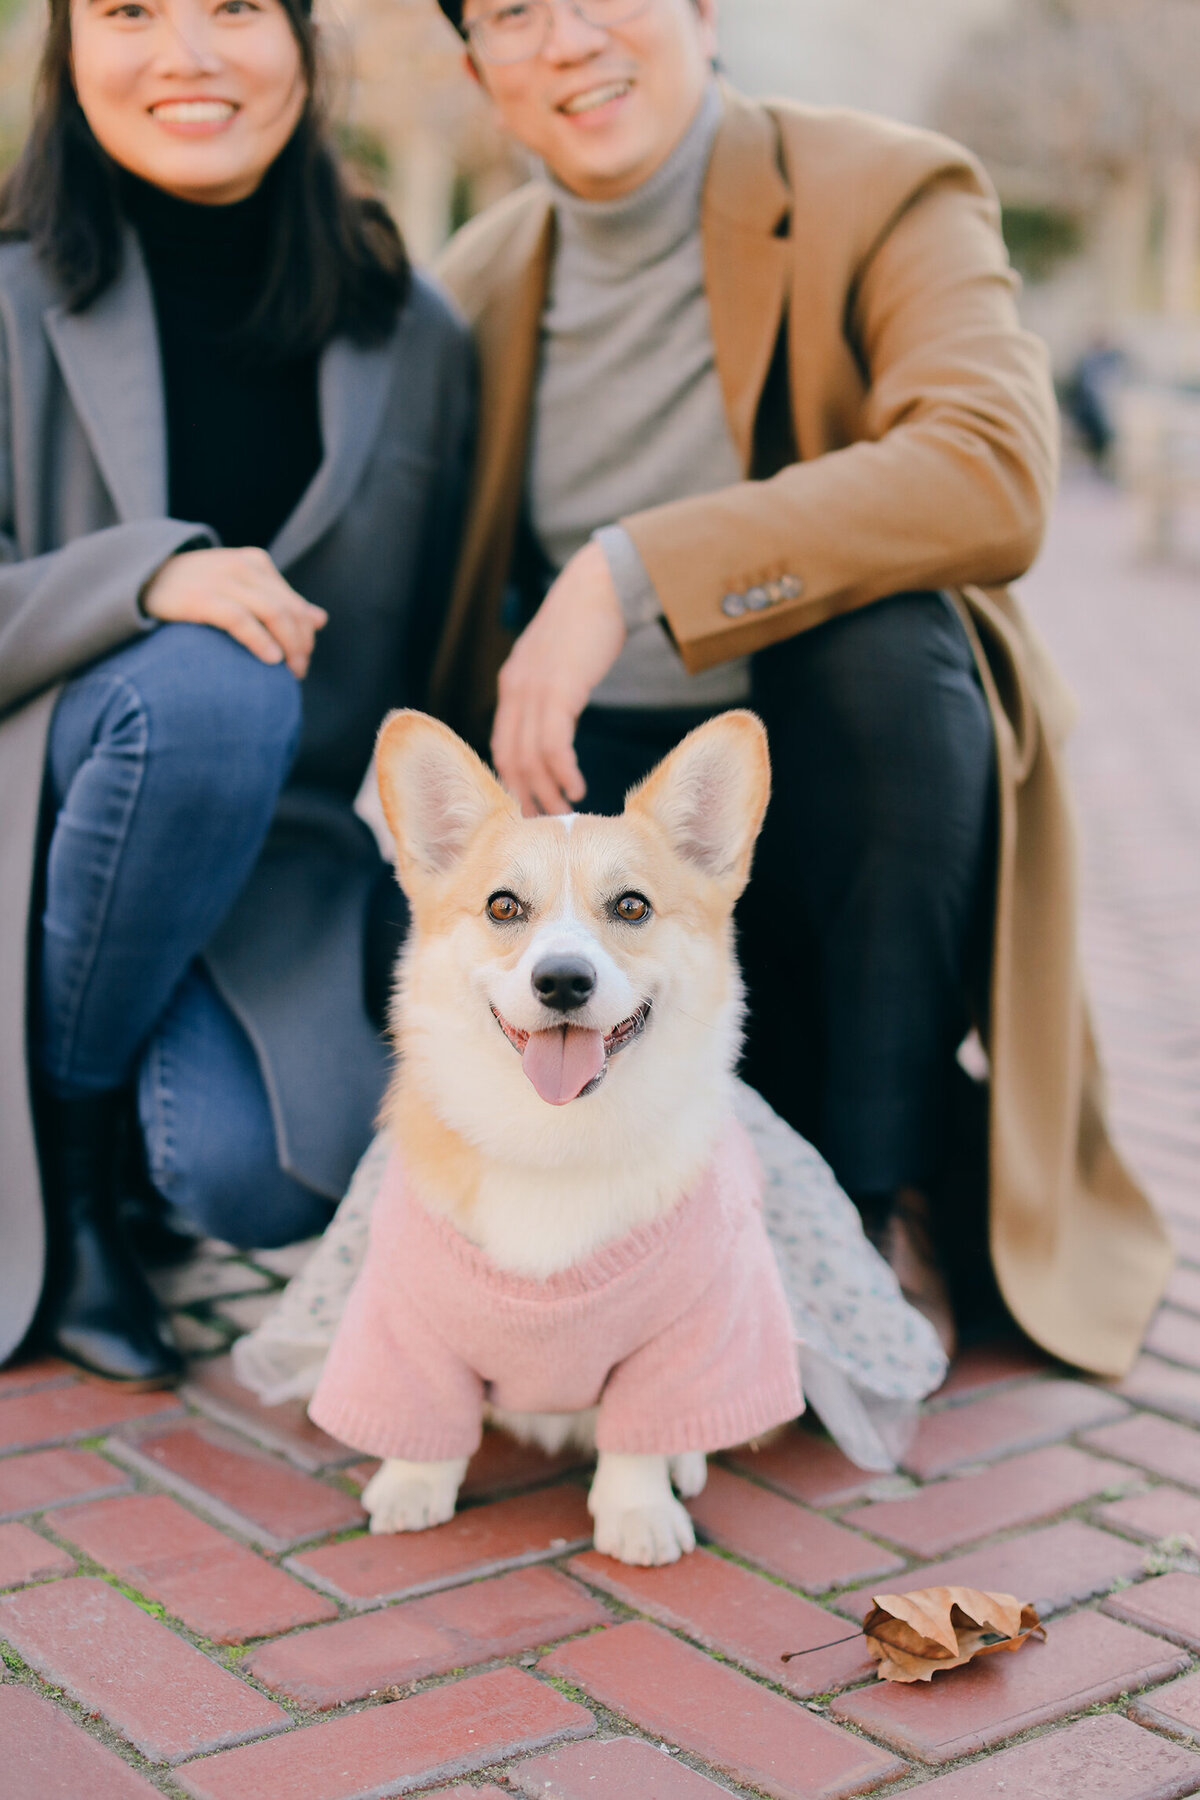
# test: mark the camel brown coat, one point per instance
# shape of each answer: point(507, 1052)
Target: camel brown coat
point(898, 431)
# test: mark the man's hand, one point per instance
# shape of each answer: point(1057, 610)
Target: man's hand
point(243, 593)
point(571, 643)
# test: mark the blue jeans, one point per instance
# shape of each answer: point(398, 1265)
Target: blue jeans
point(164, 767)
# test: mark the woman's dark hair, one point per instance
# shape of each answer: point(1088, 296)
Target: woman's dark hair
point(333, 262)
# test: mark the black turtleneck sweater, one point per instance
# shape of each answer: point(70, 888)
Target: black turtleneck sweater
point(243, 435)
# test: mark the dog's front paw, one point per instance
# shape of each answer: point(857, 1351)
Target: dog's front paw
point(689, 1472)
point(660, 1532)
point(410, 1496)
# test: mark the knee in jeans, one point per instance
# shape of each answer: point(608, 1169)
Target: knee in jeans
point(222, 694)
point(248, 1202)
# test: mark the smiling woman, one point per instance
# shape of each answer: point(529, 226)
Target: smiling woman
point(196, 98)
point(234, 458)
point(209, 102)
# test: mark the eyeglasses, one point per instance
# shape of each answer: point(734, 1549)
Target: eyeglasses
point(520, 29)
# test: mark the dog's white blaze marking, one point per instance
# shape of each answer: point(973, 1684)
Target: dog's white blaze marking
point(565, 933)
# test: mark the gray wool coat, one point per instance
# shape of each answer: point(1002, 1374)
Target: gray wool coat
point(83, 525)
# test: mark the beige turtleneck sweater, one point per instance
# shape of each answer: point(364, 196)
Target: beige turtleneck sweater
point(628, 412)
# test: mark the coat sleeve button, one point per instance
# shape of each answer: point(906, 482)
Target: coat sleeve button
point(756, 599)
point(733, 605)
point(792, 587)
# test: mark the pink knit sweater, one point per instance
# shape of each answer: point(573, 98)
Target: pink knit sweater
point(679, 1332)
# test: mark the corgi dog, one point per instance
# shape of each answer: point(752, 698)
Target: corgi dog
point(571, 1241)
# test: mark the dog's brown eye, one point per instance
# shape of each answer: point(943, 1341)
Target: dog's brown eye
point(632, 908)
point(504, 908)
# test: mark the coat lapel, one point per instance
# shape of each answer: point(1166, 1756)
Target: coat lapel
point(108, 356)
point(353, 384)
point(109, 360)
point(747, 258)
point(507, 335)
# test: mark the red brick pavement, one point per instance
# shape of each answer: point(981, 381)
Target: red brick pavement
point(1174, 1708)
point(25, 1557)
point(215, 1585)
point(189, 1605)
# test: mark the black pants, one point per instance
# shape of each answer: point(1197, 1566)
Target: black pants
point(867, 918)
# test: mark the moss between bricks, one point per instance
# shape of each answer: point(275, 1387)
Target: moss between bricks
point(336, 1537)
point(152, 1607)
point(346, 1483)
point(567, 1689)
point(87, 1566)
point(1103, 1706)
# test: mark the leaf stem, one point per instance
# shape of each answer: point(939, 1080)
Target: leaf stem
point(790, 1655)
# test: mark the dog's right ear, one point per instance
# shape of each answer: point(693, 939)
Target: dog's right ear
point(709, 795)
point(435, 792)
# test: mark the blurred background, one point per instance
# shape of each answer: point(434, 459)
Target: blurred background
point(1086, 112)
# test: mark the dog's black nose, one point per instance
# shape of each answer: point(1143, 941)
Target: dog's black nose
point(564, 982)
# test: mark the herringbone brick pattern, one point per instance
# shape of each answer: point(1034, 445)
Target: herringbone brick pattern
point(192, 1607)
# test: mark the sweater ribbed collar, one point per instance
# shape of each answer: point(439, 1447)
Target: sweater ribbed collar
point(616, 237)
point(189, 242)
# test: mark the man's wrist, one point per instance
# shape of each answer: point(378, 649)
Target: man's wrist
point(636, 592)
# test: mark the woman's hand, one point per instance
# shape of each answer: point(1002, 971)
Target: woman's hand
point(243, 593)
point(570, 644)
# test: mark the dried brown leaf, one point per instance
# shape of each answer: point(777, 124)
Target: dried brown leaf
point(911, 1636)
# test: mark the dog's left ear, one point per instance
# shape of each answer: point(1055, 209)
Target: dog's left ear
point(709, 796)
point(435, 793)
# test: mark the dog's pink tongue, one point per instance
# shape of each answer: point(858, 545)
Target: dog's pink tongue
point(560, 1063)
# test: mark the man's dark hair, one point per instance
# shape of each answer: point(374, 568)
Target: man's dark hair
point(453, 10)
point(333, 261)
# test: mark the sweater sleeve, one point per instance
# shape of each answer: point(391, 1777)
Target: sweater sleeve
point(635, 590)
point(948, 483)
point(391, 1386)
point(724, 1372)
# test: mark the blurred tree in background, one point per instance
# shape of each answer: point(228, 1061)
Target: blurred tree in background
point(416, 126)
point(1087, 113)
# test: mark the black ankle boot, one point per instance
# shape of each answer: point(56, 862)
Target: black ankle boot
point(141, 1208)
point(98, 1310)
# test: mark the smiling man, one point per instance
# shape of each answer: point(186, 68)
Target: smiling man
point(759, 424)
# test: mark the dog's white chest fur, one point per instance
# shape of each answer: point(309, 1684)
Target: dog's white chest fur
point(534, 1222)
